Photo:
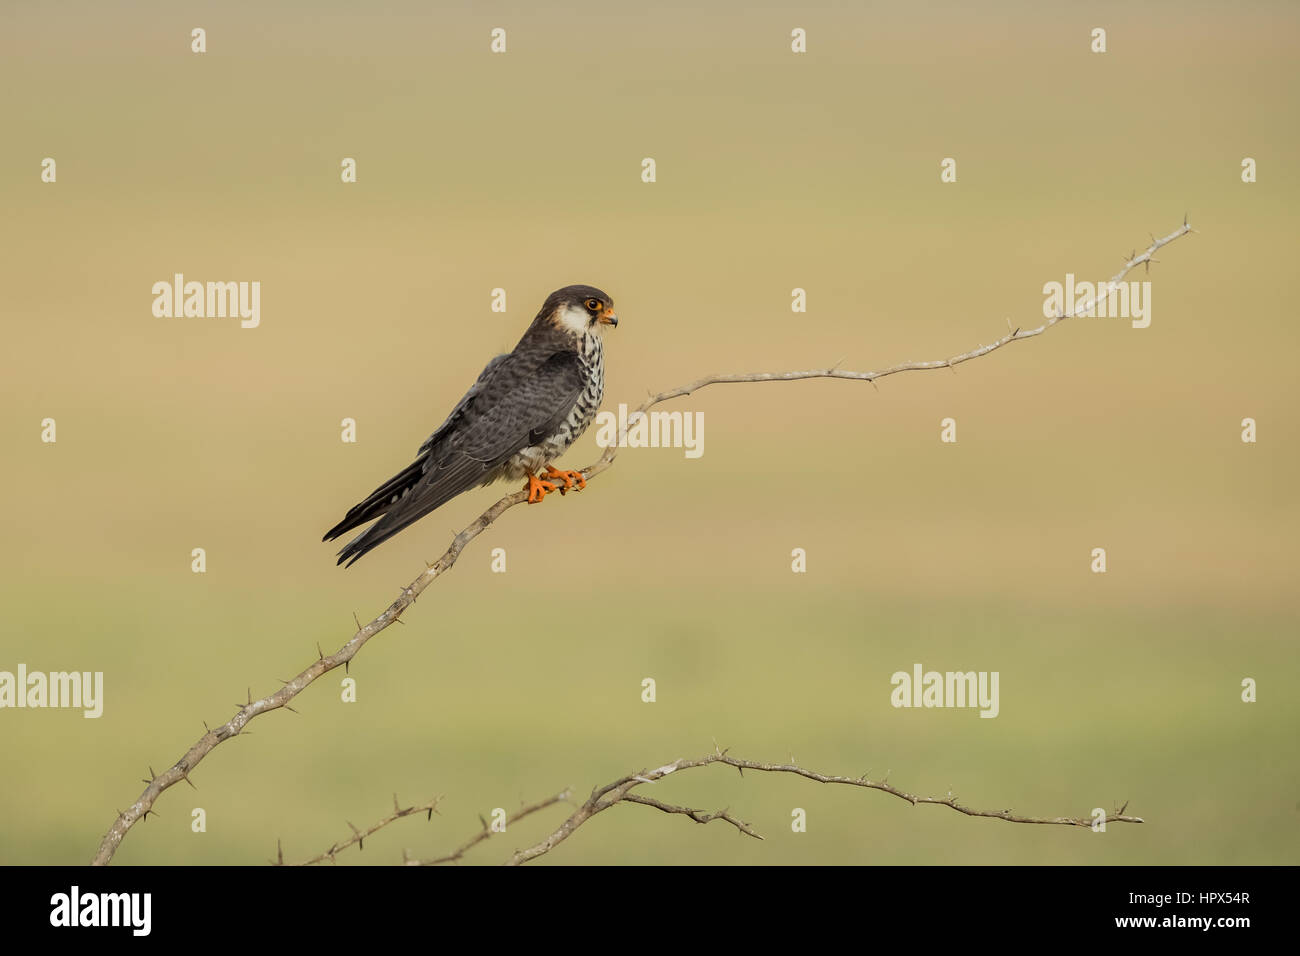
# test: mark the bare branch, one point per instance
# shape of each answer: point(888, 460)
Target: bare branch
point(358, 836)
point(487, 832)
point(699, 816)
point(1012, 335)
point(181, 769)
point(620, 791)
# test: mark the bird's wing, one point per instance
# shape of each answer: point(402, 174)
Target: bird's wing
point(469, 396)
point(515, 404)
point(387, 494)
point(517, 408)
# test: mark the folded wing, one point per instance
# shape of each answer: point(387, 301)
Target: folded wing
point(519, 400)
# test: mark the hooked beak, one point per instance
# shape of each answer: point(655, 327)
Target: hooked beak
point(608, 318)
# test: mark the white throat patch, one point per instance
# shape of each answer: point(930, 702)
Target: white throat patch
point(575, 318)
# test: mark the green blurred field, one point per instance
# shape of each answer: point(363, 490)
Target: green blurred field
point(774, 171)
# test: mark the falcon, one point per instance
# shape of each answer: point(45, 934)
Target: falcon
point(527, 407)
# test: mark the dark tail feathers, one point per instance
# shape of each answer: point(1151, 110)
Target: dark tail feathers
point(376, 504)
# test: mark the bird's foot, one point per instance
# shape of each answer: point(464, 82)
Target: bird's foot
point(569, 477)
point(537, 489)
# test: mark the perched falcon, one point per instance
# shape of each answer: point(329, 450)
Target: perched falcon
point(526, 408)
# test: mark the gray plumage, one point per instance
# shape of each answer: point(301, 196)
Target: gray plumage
point(526, 408)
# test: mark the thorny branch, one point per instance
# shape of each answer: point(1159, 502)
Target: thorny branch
point(180, 770)
point(486, 833)
point(358, 836)
point(621, 791)
point(430, 808)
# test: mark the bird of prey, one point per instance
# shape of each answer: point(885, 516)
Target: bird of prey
point(526, 408)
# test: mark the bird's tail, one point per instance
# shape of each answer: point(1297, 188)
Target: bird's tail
point(369, 539)
point(375, 505)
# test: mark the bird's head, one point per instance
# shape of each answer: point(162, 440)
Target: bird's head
point(579, 310)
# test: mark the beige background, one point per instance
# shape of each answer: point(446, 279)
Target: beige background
point(774, 171)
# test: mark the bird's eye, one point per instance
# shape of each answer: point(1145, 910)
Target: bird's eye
point(593, 305)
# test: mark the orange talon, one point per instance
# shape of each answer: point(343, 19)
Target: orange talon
point(569, 478)
point(537, 489)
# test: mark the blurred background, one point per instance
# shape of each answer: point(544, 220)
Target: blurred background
point(774, 171)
